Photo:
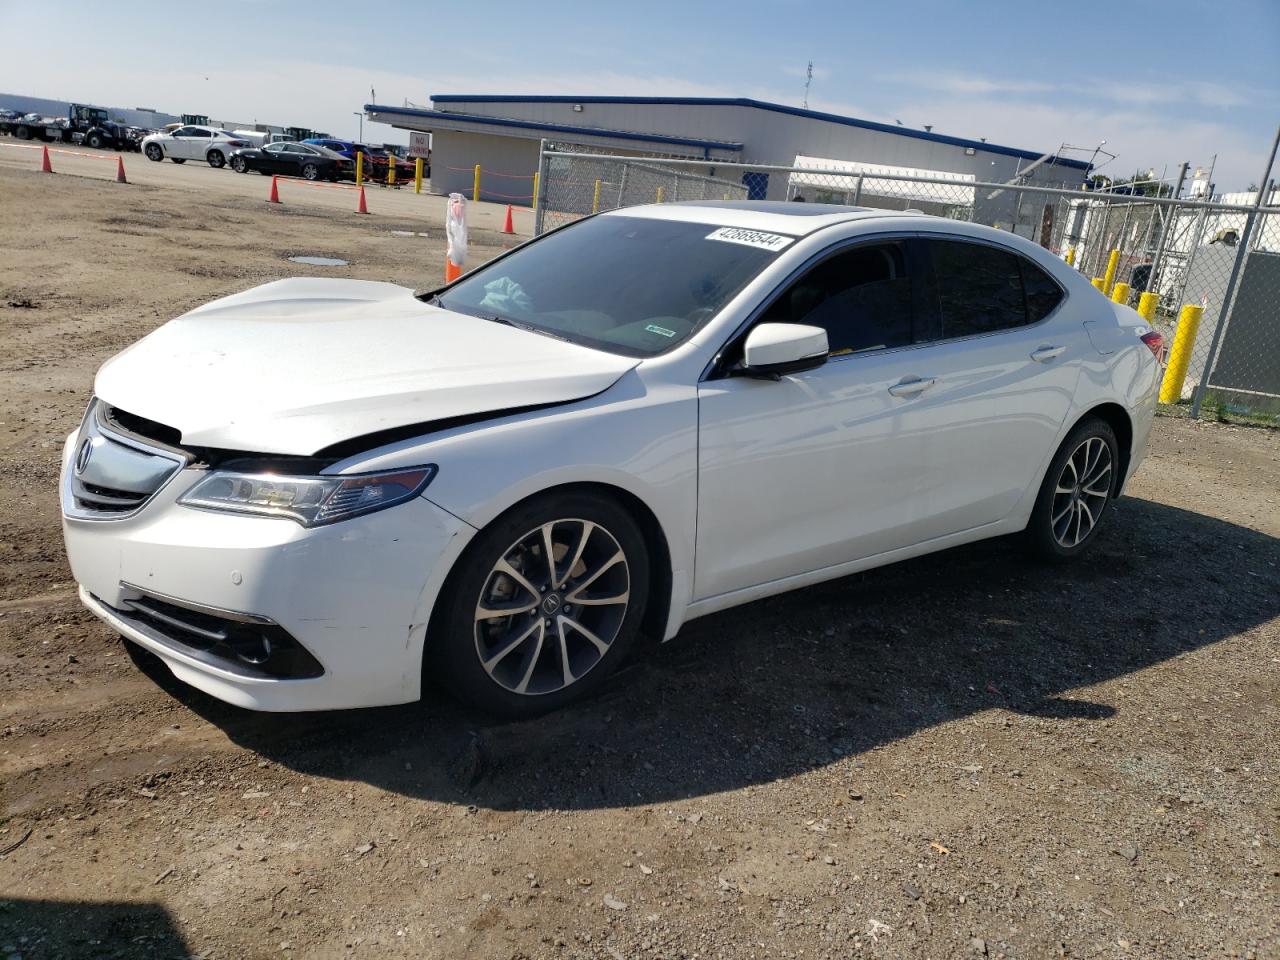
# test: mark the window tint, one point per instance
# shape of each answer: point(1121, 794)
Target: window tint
point(197, 132)
point(861, 297)
point(979, 288)
point(630, 285)
point(1043, 292)
point(182, 132)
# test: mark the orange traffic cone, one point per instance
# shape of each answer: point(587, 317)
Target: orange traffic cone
point(362, 207)
point(275, 192)
point(508, 227)
point(451, 271)
point(45, 165)
point(120, 178)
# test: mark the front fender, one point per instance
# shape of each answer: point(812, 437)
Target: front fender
point(635, 437)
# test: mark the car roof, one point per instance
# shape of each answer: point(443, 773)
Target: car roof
point(776, 216)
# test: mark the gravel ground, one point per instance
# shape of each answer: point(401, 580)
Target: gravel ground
point(963, 755)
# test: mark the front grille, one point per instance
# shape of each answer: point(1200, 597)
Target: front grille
point(239, 643)
point(112, 474)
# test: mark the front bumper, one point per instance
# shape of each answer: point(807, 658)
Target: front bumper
point(356, 595)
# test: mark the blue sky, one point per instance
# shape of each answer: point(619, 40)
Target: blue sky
point(1162, 82)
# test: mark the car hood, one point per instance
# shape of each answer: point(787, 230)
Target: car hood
point(294, 366)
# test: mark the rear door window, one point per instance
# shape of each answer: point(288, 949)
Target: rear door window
point(979, 288)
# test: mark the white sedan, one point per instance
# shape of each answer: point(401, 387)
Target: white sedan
point(324, 493)
point(210, 144)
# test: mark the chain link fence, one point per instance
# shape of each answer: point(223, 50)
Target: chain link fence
point(1155, 254)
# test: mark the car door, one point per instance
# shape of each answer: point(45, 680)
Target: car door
point(178, 143)
point(274, 159)
point(198, 143)
point(917, 427)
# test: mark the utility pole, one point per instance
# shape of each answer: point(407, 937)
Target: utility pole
point(808, 79)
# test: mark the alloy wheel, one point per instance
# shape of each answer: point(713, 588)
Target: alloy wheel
point(551, 606)
point(310, 171)
point(1081, 492)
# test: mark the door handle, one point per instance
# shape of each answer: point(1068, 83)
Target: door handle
point(1045, 354)
point(911, 387)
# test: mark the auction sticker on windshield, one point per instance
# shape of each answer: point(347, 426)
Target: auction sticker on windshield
point(752, 238)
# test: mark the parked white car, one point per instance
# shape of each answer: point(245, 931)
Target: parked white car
point(211, 144)
point(317, 493)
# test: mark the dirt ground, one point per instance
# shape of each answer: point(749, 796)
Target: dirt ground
point(964, 755)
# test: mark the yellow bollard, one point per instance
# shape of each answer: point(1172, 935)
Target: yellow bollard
point(391, 170)
point(1071, 256)
point(475, 187)
point(535, 191)
point(359, 167)
point(1147, 306)
point(1120, 293)
point(1180, 358)
point(417, 175)
point(661, 194)
point(595, 199)
point(1109, 277)
point(1098, 282)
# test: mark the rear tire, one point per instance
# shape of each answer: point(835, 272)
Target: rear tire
point(1076, 492)
point(216, 159)
point(566, 632)
point(310, 172)
point(22, 133)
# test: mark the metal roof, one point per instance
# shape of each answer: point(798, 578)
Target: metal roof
point(465, 118)
point(774, 107)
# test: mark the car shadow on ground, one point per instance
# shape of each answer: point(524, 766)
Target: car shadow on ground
point(68, 929)
point(793, 683)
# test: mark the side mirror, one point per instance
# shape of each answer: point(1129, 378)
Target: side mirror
point(773, 349)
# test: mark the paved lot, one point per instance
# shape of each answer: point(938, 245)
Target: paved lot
point(965, 755)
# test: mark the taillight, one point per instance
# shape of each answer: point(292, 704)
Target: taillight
point(237, 143)
point(1155, 343)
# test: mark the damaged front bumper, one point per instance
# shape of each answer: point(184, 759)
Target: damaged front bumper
point(262, 612)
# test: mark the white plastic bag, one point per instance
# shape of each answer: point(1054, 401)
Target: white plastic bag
point(455, 229)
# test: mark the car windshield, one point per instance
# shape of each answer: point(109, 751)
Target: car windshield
point(629, 285)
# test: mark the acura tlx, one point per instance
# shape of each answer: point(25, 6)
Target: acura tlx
point(327, 493)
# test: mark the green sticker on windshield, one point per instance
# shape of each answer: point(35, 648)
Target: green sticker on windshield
point(663, 331)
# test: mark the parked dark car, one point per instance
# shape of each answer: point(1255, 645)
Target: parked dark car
point(306, 160)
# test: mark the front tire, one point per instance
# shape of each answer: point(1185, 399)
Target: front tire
point(543, 606)
point(95, 140)
point(216, 159)
point(154, 152)
point(1076, 492)
point(239, 165)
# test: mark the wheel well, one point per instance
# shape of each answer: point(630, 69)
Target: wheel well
point(656, 613)
point(1118, 419)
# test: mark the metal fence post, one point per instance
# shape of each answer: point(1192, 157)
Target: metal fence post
point(1224, 313)
point(540, 189)
point(857, 191)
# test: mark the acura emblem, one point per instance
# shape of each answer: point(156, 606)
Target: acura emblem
point(83, 455)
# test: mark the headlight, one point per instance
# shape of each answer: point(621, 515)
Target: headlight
point(311, 501)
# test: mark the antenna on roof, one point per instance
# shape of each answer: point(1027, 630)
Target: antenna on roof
point(808, 79)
